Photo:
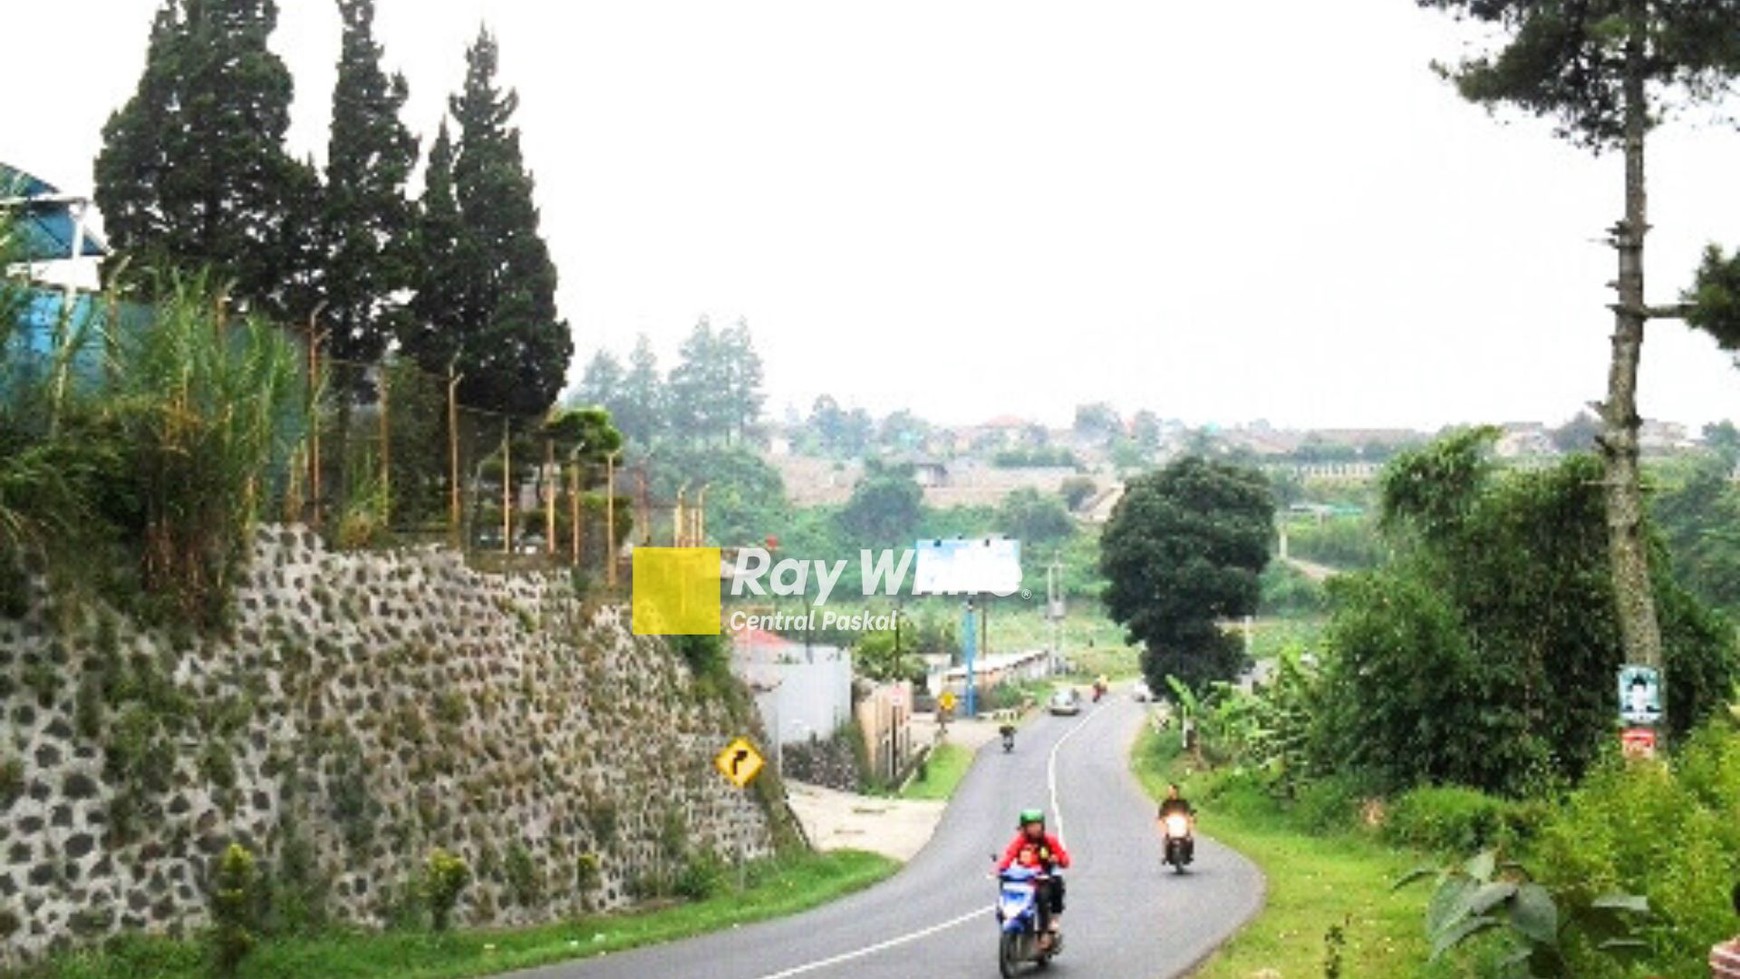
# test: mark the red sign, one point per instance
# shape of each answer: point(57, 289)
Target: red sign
point(1639, 742)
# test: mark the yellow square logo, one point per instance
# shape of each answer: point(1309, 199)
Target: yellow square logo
point(676, 591)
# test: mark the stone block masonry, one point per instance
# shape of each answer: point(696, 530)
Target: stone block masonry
point(365, 709)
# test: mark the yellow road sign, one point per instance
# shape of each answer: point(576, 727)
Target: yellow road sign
point(739, 762)
point(947, 700)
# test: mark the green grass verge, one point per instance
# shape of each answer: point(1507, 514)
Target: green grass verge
point(1315, 883)
point(776, 888)
point(942, 772)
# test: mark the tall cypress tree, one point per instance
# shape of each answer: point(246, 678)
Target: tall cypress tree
point(501, 304)
point(366, 220)
point(437, 324)
point(193, 170)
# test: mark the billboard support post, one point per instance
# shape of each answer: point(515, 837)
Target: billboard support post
point(968, 645)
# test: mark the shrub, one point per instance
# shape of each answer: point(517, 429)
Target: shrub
point(1670, 834)
point(704, 875)
point(588, 873)
point(11, 780)
point(235, 903)
point(525, 884)
point(1289, 591)
point(1453, 819)
point(444, 878)
point(1329, 805)
point(298, 888)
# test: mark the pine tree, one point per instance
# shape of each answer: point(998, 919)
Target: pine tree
point(744, 398)
point(697, 388)
point(367, 220)
point(600, 383)
point(640, 412)
point(193, 170)
point(513, 350)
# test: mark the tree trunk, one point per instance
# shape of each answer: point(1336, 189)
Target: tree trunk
point(1639, 631)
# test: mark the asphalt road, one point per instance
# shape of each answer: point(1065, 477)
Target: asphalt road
point(1128, 917)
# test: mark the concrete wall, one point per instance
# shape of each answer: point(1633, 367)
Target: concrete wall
point(799, 693)
point(885, 716)
point(367, 708)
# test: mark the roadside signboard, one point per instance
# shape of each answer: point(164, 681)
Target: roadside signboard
point(739, 762)
point(947, 700)
point(1639, 696)
point(1639, 742)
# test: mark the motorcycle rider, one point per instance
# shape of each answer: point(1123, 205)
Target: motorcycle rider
point(1030, 834)
point(1175, 804)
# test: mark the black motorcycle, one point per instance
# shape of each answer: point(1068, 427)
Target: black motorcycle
point(1008, 732)
point(1180, 845)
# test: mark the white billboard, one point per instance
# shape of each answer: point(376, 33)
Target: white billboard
point(980, 566)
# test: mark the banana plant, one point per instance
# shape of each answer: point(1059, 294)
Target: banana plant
point(1483, 895)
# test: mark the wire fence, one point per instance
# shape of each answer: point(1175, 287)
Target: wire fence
point(392, 457)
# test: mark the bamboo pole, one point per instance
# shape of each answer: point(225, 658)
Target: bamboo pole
point(610, 520)
point(453, 510)
point(645, 508)
point(386, 453)
point(507, 500)
point(549, 481)
point(314, 339)
point(678, 516)
point(698, 534)
point(574, 509)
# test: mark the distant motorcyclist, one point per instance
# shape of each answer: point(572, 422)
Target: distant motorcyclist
point(1176, 805)
point(1050, 856)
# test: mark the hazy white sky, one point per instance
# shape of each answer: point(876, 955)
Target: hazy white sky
point(1225, 211)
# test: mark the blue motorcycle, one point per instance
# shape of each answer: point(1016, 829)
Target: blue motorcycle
point(1018, 920)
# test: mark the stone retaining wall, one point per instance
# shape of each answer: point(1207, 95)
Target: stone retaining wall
point(367, 708)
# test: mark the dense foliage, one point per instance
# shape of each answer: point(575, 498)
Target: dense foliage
point(1182, 552)
point(160, 461)
point(1485, 654)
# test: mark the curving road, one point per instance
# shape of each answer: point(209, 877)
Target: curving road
point(1128, 917)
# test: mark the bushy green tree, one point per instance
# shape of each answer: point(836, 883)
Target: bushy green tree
point(1034, 518)
point(884, 510)
point(1077, 490)
point(1182, 552)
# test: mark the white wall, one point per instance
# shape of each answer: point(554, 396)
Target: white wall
point(812, 690)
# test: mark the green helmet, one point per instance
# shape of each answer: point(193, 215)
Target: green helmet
point(1029, 816)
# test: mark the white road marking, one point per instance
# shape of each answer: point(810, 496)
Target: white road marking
point(898, 940)
point(878, 947)
point(1051, 774)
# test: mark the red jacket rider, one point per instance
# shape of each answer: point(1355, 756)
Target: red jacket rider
point(1032, 833)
